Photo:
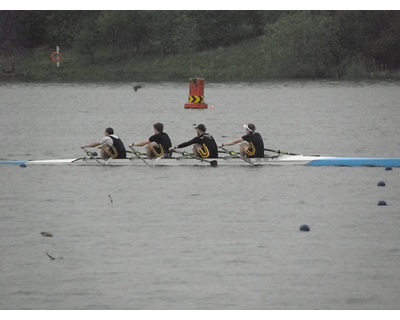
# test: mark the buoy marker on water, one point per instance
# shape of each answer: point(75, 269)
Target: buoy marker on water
point(196, 94)
point(304, 227)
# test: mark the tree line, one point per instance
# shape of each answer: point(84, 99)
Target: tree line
point(295, 43)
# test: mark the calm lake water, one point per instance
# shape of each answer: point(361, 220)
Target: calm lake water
point(200, 237)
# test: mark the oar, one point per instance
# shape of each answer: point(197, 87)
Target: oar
point(237, 155)
point(282, 152)
point(213, 163)
point(137, 154)
point(289, 153)
point(77, 159)
point(88, 153)
point(141, 153)
point(93, 155)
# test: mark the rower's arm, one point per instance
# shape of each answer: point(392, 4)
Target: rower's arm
point(140, 144)
point(188, 143)
point(232, 142)
point(92, 145)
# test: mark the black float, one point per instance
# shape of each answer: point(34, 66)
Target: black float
point(304, 227)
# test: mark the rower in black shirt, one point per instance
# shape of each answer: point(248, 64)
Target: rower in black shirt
point(252, 143)
point(204, 144)
point(158, 144)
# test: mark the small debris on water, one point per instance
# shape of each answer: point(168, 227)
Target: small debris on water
point(137, 87)
point(381, 184)
point(51, 258)
point(46, 234)
point(111, 200)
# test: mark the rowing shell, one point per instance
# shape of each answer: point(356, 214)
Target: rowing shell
point(315, 161)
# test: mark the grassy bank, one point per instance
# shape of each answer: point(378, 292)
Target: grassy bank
point(244, 62)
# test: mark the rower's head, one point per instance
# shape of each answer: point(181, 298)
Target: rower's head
point(250, 127)
point(109, 131)
point(158, 127)
point(201, 128)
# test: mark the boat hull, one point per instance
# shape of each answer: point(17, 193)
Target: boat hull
point(314, 161)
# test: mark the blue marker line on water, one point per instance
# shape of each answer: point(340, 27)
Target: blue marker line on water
point(355, 162)
point(17, 163)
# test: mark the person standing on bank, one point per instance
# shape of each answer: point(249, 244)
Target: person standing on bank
point(111, 146)
point(204, 145)
point(158, 144)
point(252, 144)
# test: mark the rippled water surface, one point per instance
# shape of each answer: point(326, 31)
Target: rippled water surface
point(200, 237)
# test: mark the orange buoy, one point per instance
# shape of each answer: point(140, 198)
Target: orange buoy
point(196, 94)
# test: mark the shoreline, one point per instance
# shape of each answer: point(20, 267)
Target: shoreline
point(243, 63)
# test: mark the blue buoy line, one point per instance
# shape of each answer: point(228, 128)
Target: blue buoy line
point(355, 162)
point(13, 162)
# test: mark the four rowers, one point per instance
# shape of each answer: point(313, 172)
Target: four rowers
point(159, 144)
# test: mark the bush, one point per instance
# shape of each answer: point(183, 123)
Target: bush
point(302, 45)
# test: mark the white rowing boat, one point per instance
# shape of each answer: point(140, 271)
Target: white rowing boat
point(223, 161)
